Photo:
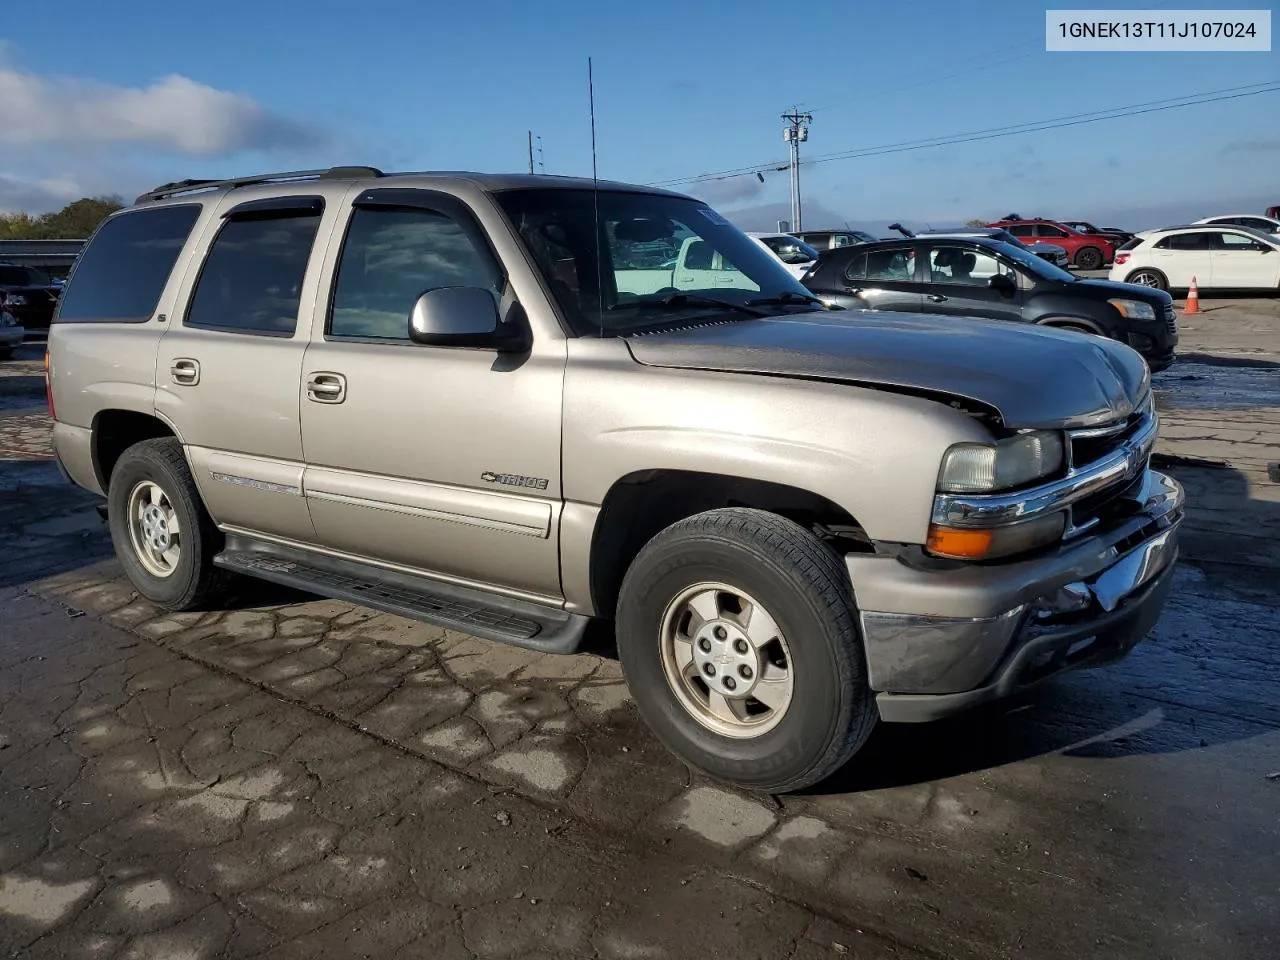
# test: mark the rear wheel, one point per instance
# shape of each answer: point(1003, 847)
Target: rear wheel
point(736, 630)
point(1146, 277)
point(1089, 258)
point(163, 536)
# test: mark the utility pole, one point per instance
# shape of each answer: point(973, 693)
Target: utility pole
point(794, 133)
point(531, 151)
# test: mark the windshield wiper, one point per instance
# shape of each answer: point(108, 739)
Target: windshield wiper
point(785, 298)
point(674, 300)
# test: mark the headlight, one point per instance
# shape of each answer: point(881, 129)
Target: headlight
point(1134, 309)
point(982, 468)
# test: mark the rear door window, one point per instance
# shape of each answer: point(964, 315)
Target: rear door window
point(251, 281)
point(899, 265)
point(1203, 240)
point(123, 269)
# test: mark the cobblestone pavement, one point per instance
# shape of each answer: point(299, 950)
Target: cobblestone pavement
point(1124, 812)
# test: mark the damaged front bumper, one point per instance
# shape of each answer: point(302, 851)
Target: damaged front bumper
point(941, 641)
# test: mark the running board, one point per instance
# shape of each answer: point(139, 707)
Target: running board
point(518, 622)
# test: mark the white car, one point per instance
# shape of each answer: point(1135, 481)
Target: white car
point(796, 255)
point(1254, 221)
point(1223, 258)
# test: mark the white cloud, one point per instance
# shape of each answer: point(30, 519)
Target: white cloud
point(44, 193)
point(174, 112)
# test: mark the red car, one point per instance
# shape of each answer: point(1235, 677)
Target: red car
point(1088, 251)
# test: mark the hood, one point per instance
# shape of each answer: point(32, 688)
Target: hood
point(1132, 291)
point(1034, 378)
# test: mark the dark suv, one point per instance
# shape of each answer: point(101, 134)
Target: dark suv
point(29, 294)
point(979, 277)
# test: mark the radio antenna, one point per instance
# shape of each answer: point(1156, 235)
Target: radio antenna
point(595, 194)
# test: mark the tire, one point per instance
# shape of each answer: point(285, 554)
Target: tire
point(1074, 328)
point(191, 580)
point(1089, 258)
point(1147, 277)
point(801, 584)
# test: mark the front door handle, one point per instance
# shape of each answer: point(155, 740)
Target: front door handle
point(185, 371)
point(937, 298)
point(327, 387)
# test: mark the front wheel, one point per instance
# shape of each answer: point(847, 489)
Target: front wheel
point(163, 535)
point(1089, 258)
point(737, 634)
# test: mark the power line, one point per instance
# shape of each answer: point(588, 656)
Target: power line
point(991, 133)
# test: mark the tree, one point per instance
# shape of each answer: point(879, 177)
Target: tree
point(75, 221)
point(975, 223)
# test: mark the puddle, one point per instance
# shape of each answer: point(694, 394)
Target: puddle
point(1223, 385)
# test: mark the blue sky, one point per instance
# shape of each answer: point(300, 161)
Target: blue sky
point(149, 91)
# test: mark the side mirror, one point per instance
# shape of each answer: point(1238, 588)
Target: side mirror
point(464, 317)
point(1002, 282)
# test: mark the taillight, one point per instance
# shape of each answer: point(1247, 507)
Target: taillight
point(48, 384)
point(1121, 259)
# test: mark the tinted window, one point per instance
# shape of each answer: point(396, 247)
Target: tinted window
point(12, 276)
point(392, 257)
point(857, 269)
point(891, 265)
point(1135, 242)
point(1022, 230)
point(1187, 241)
point(962, 265)
point(1257, 223)
point(122, 272)
point(252, 278)
point(1044, 230)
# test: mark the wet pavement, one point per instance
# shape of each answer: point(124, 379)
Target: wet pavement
point(300, 777)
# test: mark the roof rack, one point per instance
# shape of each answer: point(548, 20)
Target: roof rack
point(164, 191)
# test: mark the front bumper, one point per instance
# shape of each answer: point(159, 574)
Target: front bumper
point(941, 641)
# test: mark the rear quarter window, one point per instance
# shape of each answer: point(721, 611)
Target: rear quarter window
point(123, 269)
point(1134, 243)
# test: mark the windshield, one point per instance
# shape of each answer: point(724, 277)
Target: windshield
point(790, 249)
point(1029, 261)
point(649, 247)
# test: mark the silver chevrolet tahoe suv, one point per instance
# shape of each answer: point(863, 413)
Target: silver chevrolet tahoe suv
point(511, 405)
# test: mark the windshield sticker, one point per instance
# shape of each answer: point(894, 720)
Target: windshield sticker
point(714, 217)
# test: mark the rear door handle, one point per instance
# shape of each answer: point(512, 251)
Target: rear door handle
point(185, 371)
point(327, 387)
point(936, 298)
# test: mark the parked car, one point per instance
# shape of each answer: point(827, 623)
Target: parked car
point(834, 239)
point(11, 331)
point(792, 252)
point(428, 394)
point(1219, 258)
point(1114, 234)
point(1273, 212)
point(961, 277)
point(1045, 251)
point(1251, 220)
point(30, 295)
point(1087, 251)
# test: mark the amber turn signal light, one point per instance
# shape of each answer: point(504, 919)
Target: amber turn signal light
point(960, 544)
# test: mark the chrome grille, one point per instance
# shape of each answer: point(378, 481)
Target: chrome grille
point(1085, 446)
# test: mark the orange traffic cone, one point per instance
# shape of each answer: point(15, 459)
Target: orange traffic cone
point(1193, 300)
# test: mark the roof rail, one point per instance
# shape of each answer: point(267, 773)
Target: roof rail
point(166, 190)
